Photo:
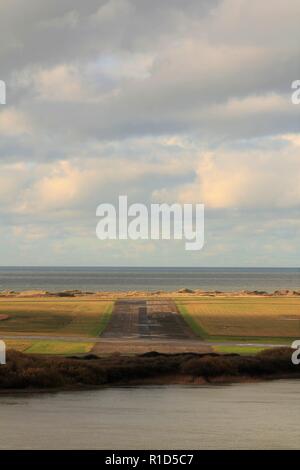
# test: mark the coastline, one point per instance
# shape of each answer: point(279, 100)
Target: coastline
point(4, 294)
point(28, 374)
point(171, 380)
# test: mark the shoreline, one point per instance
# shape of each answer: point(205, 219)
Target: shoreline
point(44, 374)
point(35, 293)
point(167, 380)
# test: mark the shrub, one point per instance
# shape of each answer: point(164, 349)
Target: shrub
point(208, 366)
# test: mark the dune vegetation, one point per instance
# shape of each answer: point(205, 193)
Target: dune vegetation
point(35, 372)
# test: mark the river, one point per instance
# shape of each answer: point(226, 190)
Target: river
point(262, 415)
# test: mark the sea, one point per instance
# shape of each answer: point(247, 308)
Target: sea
point(239, 416)
point(153, 279)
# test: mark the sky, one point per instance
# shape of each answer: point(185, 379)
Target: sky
point(185, 101)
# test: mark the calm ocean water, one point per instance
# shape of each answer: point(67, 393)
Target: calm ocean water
point(241, 416)
point(153, 279)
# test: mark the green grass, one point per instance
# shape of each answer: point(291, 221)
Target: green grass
point(104, 320)
point(56, 317)
point(255, 339)
point(59, 347)
point(191, 321)
point(18, 344)
point(260, 320)
point(246, 350)
point(49, 347)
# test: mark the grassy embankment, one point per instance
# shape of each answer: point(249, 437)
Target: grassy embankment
point(256, 320)
point(38, 317)
point(33, 372)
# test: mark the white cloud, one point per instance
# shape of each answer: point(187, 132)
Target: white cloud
point(14, 123)
point(60, 83)
point(257, 178)
point(162, 100)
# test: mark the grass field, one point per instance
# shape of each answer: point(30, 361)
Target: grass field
point(49, 347)
point(55, 317)
point(243, 350)
point(243, 319)
point(59, 347)
point(18, 344)
point(218, 319)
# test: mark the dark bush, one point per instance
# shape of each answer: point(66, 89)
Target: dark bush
point(210, 366)
point(33, 371)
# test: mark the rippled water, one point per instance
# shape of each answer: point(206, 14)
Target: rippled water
point(124, 279)
point(240, 416)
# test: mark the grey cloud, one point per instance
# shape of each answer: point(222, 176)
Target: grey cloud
point(200, 71)
point(203, 57)
point(49, 32)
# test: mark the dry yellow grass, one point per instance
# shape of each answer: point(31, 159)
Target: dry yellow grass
point(61, 317)
point(18, 344)
point(59, 347)
point(49, 347)
point(255, 317)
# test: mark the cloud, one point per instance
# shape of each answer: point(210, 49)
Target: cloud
point(79, 185)
point(60, 83)
point(13, 123)
point(257, 178)
point(165, 101)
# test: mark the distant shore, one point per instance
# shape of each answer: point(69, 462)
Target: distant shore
point(178, 293)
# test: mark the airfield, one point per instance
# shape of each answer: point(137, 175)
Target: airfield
point(131, 324)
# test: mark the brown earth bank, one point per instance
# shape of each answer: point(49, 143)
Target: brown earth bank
point(130, 346)
point(37, 373)
point(148, 294)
